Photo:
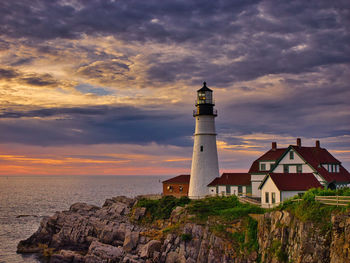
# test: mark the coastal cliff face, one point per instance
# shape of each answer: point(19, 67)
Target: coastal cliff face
point(114, 233)
point(284, 238)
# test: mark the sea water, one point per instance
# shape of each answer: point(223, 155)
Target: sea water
point(25, 200)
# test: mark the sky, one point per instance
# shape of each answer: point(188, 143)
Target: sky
point(92, 87)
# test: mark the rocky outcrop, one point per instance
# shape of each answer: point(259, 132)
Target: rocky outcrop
point(112, 233)
point(284, 238)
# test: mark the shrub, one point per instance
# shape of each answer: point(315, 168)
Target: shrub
point(186, 237)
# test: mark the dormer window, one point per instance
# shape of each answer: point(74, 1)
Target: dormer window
point(332, 168)
point(262, 167)
point(291, 155)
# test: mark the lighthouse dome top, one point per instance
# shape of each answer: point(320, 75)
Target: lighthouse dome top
point(204, 88)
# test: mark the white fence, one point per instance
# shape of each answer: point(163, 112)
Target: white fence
point(333, 200)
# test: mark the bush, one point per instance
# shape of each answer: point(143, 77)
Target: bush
point(186, 237)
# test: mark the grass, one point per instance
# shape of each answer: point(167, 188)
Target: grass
point(225, 209)
point(162, 208)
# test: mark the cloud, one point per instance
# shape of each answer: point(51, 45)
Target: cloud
point(94, 125)
point(275, 67)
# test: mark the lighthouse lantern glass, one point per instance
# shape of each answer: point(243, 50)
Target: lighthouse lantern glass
point(205, 97)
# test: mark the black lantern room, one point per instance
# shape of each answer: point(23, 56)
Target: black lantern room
point(204, 103)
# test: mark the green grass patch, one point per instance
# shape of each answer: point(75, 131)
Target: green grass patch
point(225, 208)
point(162, 208)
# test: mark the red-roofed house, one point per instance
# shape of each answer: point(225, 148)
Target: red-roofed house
point(316, 160)
point(261, 166)
point(230, 184)
point(277, 187)
point(177, 186)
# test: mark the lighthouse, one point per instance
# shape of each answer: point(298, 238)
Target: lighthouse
point(205, 167)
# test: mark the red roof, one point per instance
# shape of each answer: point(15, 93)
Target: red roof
point(271, 155)
point(293, 181)
point(317, 156)
point(231, 179)
point(180, 179)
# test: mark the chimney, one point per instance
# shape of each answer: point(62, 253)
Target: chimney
point(298, 142)
point(318, 144)
point(274, 146)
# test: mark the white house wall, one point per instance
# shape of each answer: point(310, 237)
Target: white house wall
point(222, 189)
point(292, 169)
point(212, 190)
point(256, 180)
point(270, 187)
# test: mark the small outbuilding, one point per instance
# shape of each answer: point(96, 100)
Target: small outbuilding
point(277, 187)
point(231, 184)
point(177, 186)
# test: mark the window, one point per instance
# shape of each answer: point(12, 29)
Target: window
point(286, 168)
point(267, 197)
point(228, 189)
point(291, 155)
point(337, 168)
point(170, 188)
point(273, 198)
point(240, 189)
point(262, 167)
point(271, 166)
point(181, 188)
point(299, 168)
point(201, 148)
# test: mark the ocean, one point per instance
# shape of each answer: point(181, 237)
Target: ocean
point(24, 200)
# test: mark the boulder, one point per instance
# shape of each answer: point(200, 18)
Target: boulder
point(83, 208)
point(138, 213)
point(148, 250)
point(131, 240)
point(67, 256)
point(98, 252)
point(174, 257)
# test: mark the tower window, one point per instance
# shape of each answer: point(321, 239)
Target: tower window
point(201, 148)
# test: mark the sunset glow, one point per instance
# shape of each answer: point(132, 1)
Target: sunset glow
point(108, 87)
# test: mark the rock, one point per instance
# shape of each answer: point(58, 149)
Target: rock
point(99, 252)
point(83, 208)
point(121, 199)
point(138, 213)
point(67, 256)
point(130, 241)
point(147, 250)
point(174, 257)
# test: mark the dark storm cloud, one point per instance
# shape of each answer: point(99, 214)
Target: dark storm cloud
point(266, 34)
point(311, 110)
point(93, 125)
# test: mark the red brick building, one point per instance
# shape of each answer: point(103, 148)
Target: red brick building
point(177, 186)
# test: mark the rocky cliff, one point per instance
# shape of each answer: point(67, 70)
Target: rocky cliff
point(115, 233)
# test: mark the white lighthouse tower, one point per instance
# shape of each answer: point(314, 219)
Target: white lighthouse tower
point(205, 167)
